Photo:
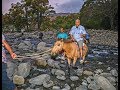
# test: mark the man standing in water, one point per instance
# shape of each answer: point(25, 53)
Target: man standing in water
point(6, 83)
point(78, 33)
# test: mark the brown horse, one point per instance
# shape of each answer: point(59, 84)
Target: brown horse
point(70, 50)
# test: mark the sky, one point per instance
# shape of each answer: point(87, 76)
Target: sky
point(60, 6)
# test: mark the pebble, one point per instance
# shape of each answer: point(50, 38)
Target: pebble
point(74, 78)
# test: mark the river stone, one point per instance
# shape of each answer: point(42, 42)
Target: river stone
point(112, 80)
point(56, 64)
point(59, 72)
point(79, 72)
point(53, 71)
point(51, 63)
point(41, 62)
point(60, 77)
point(24, 69)
point(67, 87)
point(41, 46)
point(106, 74)
point(98, 71)
point(84, 83)
point(89, 73)
point(104, 83)
point(11, 69)
point(74, 78)
point(100, 63)
point(56, 88)
point(114, 72)
point(81, 87)
point(89, 79)
point(48, 84)
point(108, 68)
point(39, 79)
point(18, 80)
point(94, 86)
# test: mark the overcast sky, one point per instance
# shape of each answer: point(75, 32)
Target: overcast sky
point(63, 6)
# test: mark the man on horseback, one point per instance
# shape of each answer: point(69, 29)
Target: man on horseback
point(77, 34)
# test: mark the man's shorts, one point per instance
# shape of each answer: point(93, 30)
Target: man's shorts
point(80, 43)
point(7, 84)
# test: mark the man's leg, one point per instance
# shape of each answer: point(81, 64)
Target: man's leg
point(6, 83)
point(80, 43)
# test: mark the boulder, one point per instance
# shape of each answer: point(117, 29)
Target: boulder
point(41, 62)
point(39, 79)
point(41, 46)
point(89, 73)
point(81, 87)
point(18, 80)
point(48, 84)
point(74, 78)
point(114, 72)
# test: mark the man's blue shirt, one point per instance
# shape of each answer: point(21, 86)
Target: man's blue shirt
point(76, 31)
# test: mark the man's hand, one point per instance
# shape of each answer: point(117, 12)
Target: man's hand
point(13, 55)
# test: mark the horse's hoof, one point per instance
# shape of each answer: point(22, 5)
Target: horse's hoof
point(81, 61)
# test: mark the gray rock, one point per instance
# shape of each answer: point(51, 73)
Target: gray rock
point(48, 84)
point(114, 72)
point(60, 72)
point(84, 83)
point(51, 63)
point(39, 79)
point(41, 46)
point(108, 68)
point(74, 78)
point(60, 77)
point(89, 73)
point(53, 71)
point(89, 79)
point(79, 72)
point(18, 80)
point(106, 74)
point(25, 45)
point(112, 80)
point(24, 69)
point(56, 88)
point(100, 63)
point(94, 86)
point(41, 62)
point(66, 87)
point(81, 87)
point(104, 83)
point(98, 71)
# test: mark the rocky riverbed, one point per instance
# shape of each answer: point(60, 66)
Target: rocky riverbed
point(41, 72)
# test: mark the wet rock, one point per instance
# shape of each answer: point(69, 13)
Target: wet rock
point(39, 79)
point(74, 78)
point(18, 80)
point(104, 83)
point(60, 72)
point(56, 88)
point(41, 62)
point(48, 84)
point(24, 69)
point(94, 86)
point(81, 87)
point(98, 71)
point(41, 46)
point(60, 77)
point(89, 73)
point(79, 72)
point(114, 72)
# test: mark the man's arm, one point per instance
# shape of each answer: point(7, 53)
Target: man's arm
point(71, 34)
point(84, 33)
point(7, 46)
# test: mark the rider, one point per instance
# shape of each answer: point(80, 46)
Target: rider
point(62, 34)
point(78, 33)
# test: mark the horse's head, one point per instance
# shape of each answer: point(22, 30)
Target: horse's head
point(57, 48)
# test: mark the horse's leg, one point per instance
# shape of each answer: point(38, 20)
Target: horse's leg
point(74, 62)
point(69, 62)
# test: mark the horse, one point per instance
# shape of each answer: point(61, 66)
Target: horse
point(70, 50)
